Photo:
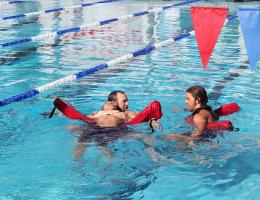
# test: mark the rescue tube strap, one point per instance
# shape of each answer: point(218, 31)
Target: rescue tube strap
point(150, 123)
point(52, 112)
point(208, 108)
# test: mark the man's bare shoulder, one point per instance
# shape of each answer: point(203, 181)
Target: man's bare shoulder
point(130, 112)
point(200, 117)
point(203, 114)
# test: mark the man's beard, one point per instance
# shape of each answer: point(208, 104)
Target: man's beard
point(119, 109)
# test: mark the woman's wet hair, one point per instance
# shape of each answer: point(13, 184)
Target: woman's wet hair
point(113, 95)
point(199, 93)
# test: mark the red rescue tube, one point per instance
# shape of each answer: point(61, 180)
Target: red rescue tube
point(224, 110)
point(220, 126)
point(214, 126)
point(227, 109)
point(152, 111)
point(71, 112)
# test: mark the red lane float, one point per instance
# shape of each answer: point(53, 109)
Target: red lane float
point(152, 111)
point(224, 110)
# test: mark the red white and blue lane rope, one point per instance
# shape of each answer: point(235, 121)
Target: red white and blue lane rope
point(35, 14)
point(88, 26)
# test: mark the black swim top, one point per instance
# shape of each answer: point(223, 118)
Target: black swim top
point(208, 108)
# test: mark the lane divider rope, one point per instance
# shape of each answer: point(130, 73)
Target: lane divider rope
point(35, 14)
point(11, 2)
point(92, 70)
point(92, 25)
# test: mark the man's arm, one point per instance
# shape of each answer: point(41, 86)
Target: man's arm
point(153, 122)
point(200, 123)
point(131, 114)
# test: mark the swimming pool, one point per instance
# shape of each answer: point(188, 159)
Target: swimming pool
point(36, 153)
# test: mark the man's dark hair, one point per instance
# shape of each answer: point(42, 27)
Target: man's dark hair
point(113, 95)
point(199, 93)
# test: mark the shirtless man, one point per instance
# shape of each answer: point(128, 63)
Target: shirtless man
point(107, 120)
point(120, 100)
point(196, 100)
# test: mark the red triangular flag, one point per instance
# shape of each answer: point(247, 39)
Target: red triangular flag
point(207, 22)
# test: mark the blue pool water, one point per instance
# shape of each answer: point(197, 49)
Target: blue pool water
point(37, 153)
